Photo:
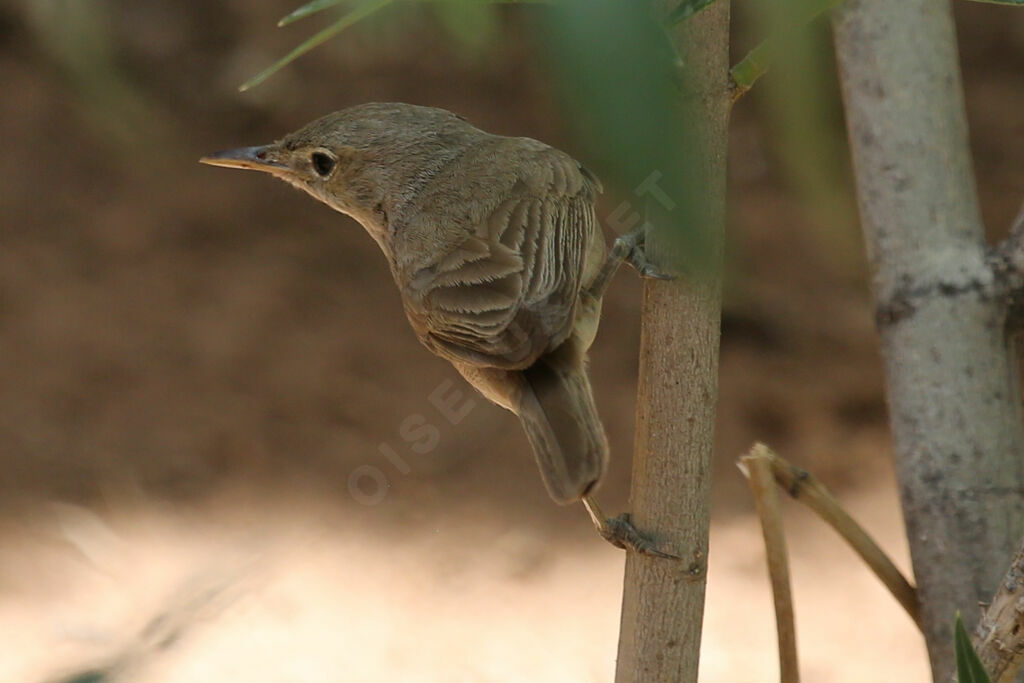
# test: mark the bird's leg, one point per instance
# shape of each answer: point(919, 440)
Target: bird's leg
point(620, 532)
point(637, 256)
point(628, 248)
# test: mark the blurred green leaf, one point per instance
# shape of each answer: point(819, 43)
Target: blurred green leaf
point(685, 10)
point(755, 64)
point(473, 23)
point(620, 86)
point(968, 665)
point(78, 35)
point(91, 676)
point(801, 106)
point(306, 10)
point(318, 5)
point(1018, 3)
point(357, 13)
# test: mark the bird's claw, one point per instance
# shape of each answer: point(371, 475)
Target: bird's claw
point(637, 257)
point(650, 271)
point(620, 532)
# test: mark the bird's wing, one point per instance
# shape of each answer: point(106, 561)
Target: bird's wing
point(506, 292)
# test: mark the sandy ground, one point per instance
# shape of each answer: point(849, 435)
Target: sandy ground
point(243, 590)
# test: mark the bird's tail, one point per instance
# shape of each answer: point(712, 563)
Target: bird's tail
point(558, 412)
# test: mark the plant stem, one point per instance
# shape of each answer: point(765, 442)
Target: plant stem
point(757, 467)
point(663, 601)
point(805, 487)
point(999, 637)
point(951, 370)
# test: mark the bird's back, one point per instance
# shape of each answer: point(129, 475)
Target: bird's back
point(492, 253)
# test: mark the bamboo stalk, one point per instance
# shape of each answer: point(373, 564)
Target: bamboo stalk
point(670, 497)
point(952, 375)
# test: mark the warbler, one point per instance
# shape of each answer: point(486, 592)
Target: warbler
point(498, 257)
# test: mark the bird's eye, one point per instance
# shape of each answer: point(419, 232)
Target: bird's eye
point(323, 163)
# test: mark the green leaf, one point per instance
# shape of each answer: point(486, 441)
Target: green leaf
point(751, 67)
point(757, 61)
point(361, 11)
point(685, 10)
point(306, 10)
point(1018, 3)
point(968, 665)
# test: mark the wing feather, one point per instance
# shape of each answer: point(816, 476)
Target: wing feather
point(506, 292)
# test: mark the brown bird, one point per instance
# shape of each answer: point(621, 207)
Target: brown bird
point(498, 257)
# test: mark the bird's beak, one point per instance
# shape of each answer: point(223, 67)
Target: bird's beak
point(260, 158)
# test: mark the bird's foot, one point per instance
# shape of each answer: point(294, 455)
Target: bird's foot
point(620, 532)
point(633, 244)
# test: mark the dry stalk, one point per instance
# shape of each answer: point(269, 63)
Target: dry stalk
point(805, 487)
point(757, 467)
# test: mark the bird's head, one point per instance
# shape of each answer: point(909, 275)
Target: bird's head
point(362, 161)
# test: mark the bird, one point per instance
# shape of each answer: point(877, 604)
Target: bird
point(499, 259)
